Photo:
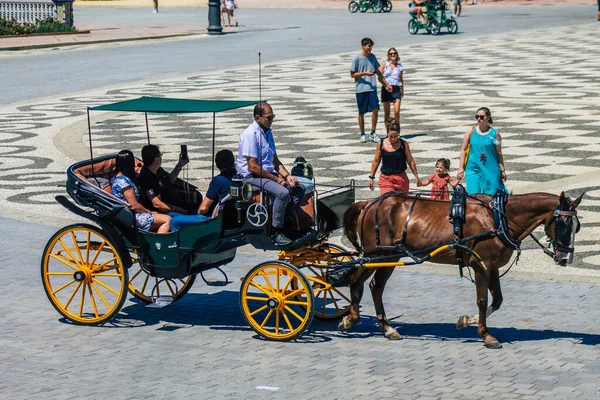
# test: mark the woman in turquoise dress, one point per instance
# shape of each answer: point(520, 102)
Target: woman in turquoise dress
point(484, 168)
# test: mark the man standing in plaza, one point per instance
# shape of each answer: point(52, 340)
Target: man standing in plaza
point(258, 163)
point(363, 69)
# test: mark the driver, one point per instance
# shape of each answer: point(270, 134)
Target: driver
point(268, 173)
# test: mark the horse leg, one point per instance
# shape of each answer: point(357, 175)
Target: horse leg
point(377, 286)
point(356, 290)
point(494, 284)
point(482, 284)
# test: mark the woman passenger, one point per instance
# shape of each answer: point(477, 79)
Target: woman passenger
point(394, 155)
point(123, 187)
point(419, 8)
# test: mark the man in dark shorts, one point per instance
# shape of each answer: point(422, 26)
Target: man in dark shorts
point(363, 69)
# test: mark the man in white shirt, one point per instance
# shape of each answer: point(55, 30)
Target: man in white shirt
point(258, 163)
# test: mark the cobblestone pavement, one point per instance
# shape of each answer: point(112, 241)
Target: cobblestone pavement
point(201, 347)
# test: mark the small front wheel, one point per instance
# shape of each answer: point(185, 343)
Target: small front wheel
point(452, 26)
point(434, 27)
point(272, 306)
point(353, 7)
point(413, 26)
point(83, 275)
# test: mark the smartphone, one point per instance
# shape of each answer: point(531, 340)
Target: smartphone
point(184, 153)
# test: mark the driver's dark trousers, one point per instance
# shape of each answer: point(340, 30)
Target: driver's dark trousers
point(280, 195)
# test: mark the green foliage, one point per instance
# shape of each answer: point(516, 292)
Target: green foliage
point(47, 25)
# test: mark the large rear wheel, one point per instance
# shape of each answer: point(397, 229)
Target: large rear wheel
point(83, 275)
point(273, 308)
point(141, 284)
point(387, 6)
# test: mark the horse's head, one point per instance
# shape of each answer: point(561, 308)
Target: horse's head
point(561, 228)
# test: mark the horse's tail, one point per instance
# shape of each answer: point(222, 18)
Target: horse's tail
point(351, 222)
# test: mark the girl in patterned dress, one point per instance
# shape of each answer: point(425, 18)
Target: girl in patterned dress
point(440, 180)
point(124, 188)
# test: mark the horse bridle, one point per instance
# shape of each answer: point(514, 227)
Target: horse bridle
point(566, 224)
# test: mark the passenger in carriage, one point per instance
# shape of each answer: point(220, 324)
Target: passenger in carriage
point(124, 187)
point(157, 184)
point(258, 163)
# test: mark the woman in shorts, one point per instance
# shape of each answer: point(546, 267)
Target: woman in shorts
point(230, 5)
point(392, 71)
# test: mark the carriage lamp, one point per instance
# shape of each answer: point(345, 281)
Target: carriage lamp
point(236, 186)
point(299, 166)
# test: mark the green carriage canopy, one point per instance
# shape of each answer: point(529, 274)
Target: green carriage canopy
point(166, 105)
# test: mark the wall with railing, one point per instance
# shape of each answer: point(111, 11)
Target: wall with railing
point(32, 10)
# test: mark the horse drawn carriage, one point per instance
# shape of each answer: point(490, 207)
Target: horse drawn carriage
point(87, 269)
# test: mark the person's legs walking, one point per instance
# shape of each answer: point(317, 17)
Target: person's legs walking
point(386, 113)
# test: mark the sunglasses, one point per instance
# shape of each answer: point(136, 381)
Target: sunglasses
point(270, 118)
point(480, 116)
point(392, 54)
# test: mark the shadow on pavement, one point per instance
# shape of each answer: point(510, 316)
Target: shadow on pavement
point(220, 311)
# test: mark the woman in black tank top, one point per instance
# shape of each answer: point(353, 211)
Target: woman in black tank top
point(394, 156)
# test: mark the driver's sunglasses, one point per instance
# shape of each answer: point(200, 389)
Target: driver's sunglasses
point(479, 116)
point(270, 118)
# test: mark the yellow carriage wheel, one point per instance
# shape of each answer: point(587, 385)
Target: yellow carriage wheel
point(141, 283)
point(272, 306)
point(83, 275)
point(330, 302)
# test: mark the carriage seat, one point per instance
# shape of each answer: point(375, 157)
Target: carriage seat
point(103, 173)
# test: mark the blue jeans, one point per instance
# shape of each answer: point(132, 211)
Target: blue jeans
point(179, 220)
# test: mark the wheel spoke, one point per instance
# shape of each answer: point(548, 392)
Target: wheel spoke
point(87, 247)
point(261, 288)
point(96, 275)
point(287, 321)
point(294, 313)
point(65, 261)
point(72, 295)
point(257, 298)
point(170, 288)
point(135, 275)
point(324, 303)
point(258, 310)
point(157, 286)
point(268, 282)
point(69, 251)
point(105, 286)
point(145, 283)
point(266, 318)
point(100, 295)
point(82, 301)
point(334, 301)
point(277, 318)
point(77, 246)
point(297, 303)
point(277, 276)
point(60, 273)
point(93, 300)
point(98, 251)
point(64, 286)
point(341, 294)
point(287, 284)
point(104, 264)
point(294, 293)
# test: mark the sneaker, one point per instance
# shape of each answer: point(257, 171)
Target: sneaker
point(154, 11)
point(374, 138)
point(280, 239)
point(363, 138)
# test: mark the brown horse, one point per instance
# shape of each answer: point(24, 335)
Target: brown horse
point(429, 227)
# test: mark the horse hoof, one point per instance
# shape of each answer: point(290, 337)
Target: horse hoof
point(494, 344)
point(394, 335)
point(345, 324)
point(462, 322)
